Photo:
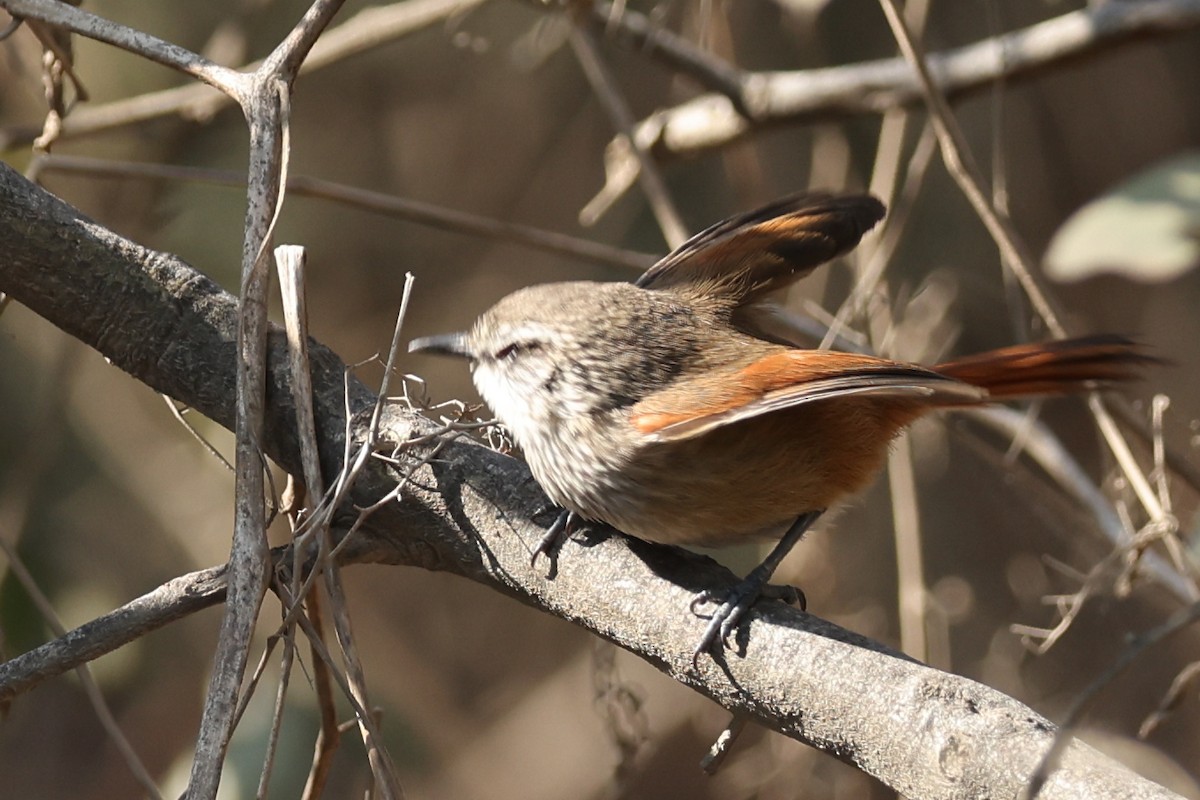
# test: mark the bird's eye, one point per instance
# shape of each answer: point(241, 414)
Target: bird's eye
point(511, 350)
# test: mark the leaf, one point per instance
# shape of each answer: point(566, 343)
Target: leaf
point(1146, 229)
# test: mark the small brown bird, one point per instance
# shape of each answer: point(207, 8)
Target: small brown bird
point(665, 408)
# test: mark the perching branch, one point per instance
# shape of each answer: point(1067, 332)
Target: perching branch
point(476, 513)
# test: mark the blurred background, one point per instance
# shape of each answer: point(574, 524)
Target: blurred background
point(488, 111)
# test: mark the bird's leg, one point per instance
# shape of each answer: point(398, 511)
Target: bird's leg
point(743, 595)
point(555, 535)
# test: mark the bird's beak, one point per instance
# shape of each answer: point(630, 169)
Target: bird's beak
point(446, 344)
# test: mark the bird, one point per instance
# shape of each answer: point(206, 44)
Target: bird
point(672, 409)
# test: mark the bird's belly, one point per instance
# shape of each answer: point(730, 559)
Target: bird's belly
point(744, 481)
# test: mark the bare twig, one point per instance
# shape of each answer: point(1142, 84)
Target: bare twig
point(402, 208)
point(175, 599)
point(266, 108)
point(605, 87)
point(177, 413)
point(76, 20)
point(330, 734)
point(82, 671)
point(1184, 681)
point(285, 674)
point(1041, 444)
point(902, 485)
point(370, 28)
point(713, 120)
point(1014, 255)
point(1175, 623)
point(291, 270)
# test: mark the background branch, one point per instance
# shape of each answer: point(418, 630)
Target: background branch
point(489, 116)
point(713, 120)
point(476, 513)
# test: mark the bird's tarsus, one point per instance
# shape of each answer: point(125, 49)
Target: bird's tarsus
point(738, 600)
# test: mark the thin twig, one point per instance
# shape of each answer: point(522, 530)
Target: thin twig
point(266, 108)
point(330, 735)
point(902, 485)
point(960, 163)
point(195, 434)
point(90, 688)
point(1040, 443)
point(676, 52)
point(605, 87)
point(173, 600)
point(1183, 681)
point(281, 691)
point(402, 208)
point(367, 30)
point(1173, 624)
point(84, 23)
point(712, 120)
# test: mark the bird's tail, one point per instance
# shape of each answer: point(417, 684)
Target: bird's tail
point(1058, 367)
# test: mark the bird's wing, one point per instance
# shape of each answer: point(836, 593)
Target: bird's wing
point(758, 252)
point(787, 379)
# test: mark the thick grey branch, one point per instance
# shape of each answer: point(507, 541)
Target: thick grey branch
point(473, 512)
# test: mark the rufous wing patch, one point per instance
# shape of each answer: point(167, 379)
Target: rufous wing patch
point(787, 379)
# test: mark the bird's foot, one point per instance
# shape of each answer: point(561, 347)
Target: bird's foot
point(554, 536)
point(732, 606)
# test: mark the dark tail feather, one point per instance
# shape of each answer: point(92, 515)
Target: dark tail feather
point(1058, 367)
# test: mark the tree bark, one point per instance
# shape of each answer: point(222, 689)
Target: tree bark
point(476, 513)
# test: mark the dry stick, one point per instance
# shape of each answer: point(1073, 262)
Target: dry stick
point(83, 672)
point(961, 165)
point(1175, 623)
point(247, 559)
point(381, 762)
point(68, 17)
point(1038, 442)
point(674, 51)
point(402, 208)
point(291, 267)
point(265, 107)
point(902, 483)
point(323, 654)
point(370, 28)
point(289, 262)
point(712, 120)
point(605, 87)
point(382, 766)
point(1171, 700)
point(177, 598)
point(1181, 465)
point(285, 673)
point(319, 520)
point(330, 734)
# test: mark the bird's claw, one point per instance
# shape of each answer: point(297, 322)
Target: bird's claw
point(733, 605)
point(554, 536)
